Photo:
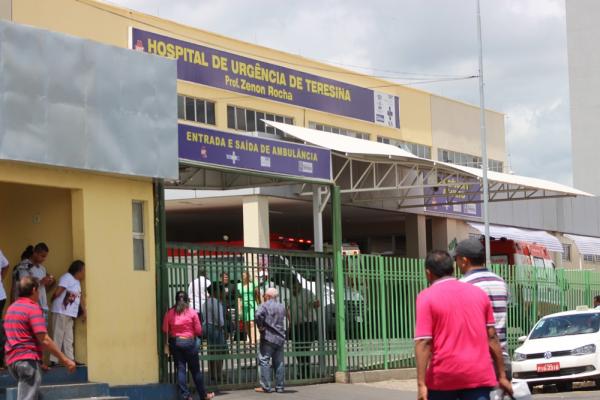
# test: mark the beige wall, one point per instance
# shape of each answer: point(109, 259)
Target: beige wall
point(424, 118)
point(456, 126)
point(6, 9)
point(89, 216)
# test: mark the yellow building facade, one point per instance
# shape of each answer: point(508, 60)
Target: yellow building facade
point(89, 215)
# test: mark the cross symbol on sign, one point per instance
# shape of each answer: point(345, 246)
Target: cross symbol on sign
point(233, 157)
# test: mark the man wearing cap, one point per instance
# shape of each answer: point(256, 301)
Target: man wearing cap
point(270, 318)
point(470, 259)
point(454, 337)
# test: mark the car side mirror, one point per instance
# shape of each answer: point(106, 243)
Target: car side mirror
point(521, 339)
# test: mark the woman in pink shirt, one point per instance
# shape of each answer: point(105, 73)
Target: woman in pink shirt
point(182, 326)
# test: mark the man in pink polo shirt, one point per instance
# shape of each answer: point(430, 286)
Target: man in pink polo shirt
point(454, 338)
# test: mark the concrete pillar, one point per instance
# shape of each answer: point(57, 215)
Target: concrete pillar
point(6, 9)
point(443, 231)
point(256, 221)
point(416, 236)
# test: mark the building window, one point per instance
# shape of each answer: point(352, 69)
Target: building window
point(589, 258)
point(196, 110)
point(566, 255)
point(139, 236)
point(339, 131)
point(419, 150)
point(243, 119)
point(468, 160)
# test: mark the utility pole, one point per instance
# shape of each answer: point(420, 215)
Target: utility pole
point(484, 156)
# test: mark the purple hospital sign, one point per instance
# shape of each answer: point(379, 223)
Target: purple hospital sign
point(224, 70)
point(438, 199)
point(251, 153)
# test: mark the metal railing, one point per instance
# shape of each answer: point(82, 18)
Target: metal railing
point(376, 310)
point(381, 320)
point(238, 279)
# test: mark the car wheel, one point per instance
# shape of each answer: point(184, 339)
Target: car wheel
point(564, 386)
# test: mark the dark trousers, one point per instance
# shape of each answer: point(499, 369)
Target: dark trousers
point(304, 334)
point(464, 394)
point(185, 353)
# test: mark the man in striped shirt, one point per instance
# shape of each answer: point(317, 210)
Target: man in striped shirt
point(470, 259)
point(26, 335)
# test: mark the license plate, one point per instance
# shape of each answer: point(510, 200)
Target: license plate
point(548, 367)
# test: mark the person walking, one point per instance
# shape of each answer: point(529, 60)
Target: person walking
point(181, 326)
point(31, 264)
point(248, 292)
point(454, 338)
point(270, 319)
point(67, 303)
point(26, 335)
point(470, 258)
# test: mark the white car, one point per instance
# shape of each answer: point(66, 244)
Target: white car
point(561, 349)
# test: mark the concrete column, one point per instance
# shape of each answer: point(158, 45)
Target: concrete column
point(416, 239)
point(6, 9)
point(443, 231)
point(256, 221)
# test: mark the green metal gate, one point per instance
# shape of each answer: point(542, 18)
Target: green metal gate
point(304, 281)
point(381, 300)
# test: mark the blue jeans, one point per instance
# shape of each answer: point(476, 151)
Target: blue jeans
point(185, 353)
point(464, 394)
point(267, 352)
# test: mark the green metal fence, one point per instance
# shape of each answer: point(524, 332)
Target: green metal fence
point(381, 294)
point(304, 281)
point(376, 307)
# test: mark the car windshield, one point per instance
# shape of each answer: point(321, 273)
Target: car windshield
point(565, 325)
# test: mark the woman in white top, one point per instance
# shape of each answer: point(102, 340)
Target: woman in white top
point(66, 304)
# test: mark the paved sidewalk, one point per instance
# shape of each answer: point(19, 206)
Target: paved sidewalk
point(323, 392)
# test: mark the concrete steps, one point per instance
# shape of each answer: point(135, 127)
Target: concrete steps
point(58, 384)
point(70, 391)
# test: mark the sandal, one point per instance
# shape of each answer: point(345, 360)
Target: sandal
point(262, 390)
point(209, 396)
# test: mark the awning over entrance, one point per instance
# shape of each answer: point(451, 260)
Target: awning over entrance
point(382, 175)
point(526, 235)
point(586, 244)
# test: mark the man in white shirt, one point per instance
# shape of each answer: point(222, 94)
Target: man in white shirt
point(4, 267)
point(197, 293)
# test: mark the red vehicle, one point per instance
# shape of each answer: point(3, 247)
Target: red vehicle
point(512, 252)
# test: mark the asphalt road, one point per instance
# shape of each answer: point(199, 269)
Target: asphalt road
point(390, 390)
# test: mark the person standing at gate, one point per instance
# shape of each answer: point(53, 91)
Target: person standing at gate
point(248, 293)
point(181, 327)
point(270, 319)
point(214, 313)
point(67, 302)
point(26, 335)
point(31, 265)
point(454, 338)
point(197, 293)
point(4, 269)
point(303, 316)
point(470, 259)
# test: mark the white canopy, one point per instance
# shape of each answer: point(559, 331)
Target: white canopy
point(353, 146)
point(586, 244)
point(341, 143)
point(526, 235)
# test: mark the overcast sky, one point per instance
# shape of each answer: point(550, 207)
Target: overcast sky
point(525, 57)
